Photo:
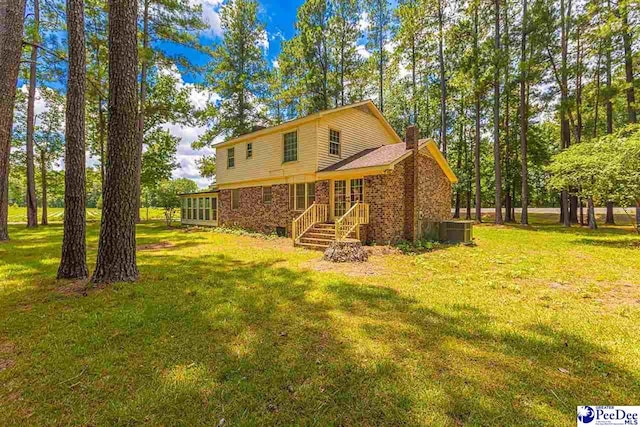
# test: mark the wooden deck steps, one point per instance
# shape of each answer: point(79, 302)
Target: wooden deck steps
point(319, 236)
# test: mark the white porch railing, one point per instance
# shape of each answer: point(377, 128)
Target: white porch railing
point(314, 214)
point(357, 215)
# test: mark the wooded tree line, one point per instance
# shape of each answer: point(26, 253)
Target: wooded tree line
point(501, 85)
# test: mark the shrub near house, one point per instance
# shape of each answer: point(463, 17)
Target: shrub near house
point(340, 172)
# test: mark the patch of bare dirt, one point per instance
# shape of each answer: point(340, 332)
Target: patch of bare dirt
point(74, 288)
point(6, 364)
point(353, 269)
point(7, 347)
point(382, 250)
point(156, 246)
point(620, 295)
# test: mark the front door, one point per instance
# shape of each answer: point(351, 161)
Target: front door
point(339, 198)
point(346, 193)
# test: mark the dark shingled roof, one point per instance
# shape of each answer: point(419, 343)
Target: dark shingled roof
point(370, 157)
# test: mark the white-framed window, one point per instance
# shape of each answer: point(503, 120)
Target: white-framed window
point(189, 216)
point(334, 142)
point(231, 157)
point(214, 208)
point(207, 209)
point(194, 208)
point(184, 208)
point(267, 195)
point(290, 145)
point(249, 150)
point(235, 198)
point(301, 195)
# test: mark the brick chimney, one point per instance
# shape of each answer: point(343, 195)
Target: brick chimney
point(411, 137)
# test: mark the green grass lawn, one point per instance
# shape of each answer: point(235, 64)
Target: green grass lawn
point(517, 330)
point(19, 214)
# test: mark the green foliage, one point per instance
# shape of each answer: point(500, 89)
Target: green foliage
point(166, 195)
point(238, 73)
point(605, 169)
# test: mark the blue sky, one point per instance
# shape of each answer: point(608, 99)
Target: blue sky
point(278, 16)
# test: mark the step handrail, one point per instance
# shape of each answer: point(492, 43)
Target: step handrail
point(317, 212)
point(357, 215)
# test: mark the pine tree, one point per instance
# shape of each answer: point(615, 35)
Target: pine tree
point(238, 71)
point(32, 205)
point(377, 38)
point(73, 262)
point(11, 27)
point(117, 244)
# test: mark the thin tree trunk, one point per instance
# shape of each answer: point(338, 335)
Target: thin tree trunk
point(609, 218)
point(11, 27)
point(413, 80)
point(565, 132)
point(496, 118)
point(628, 65)
point(524, 122)
point(143, 98)
point(381, 63)
point(443, 82)
point(32, 203)
point(43, 178)
point(117, 245)
point(507, 140)
point(476, 145)
point(597, 96)
point(591, 214)
point(73, 263)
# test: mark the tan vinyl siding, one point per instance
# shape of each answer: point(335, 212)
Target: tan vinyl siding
point(358, 129)
point(267, 160)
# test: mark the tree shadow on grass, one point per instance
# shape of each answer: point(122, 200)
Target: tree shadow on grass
point(205, 337)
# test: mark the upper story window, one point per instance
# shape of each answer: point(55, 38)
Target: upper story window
point(231, 158)
point(290, 146)
point(334, 142)
point(249, 150)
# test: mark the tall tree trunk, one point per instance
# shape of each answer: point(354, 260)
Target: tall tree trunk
point(597, 96)
point(32, 203)
point(496, 117)
point(381, 61)
point(476, 145)
point(628, 64)
point(565, 131)
point(507, 139)
point(414, 92)
point(609, 218)
point(11, 27)
point(524, 120)
point(443, 82)
point(73, 263)
point(117, 245)
point(459, 167)
point(143, 98)
point(43, 178)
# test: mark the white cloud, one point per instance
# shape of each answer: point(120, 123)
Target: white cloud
point(210, 15)
point(275, 63)
point(362, 51)
point(187, 157)
point(363, 22)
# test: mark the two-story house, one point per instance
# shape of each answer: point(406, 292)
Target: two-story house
point(336, 173)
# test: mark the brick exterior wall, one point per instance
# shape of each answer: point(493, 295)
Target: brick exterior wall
point(253, 214)
point(390, 198)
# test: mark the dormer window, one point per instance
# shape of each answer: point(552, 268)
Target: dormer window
point(334, 142)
